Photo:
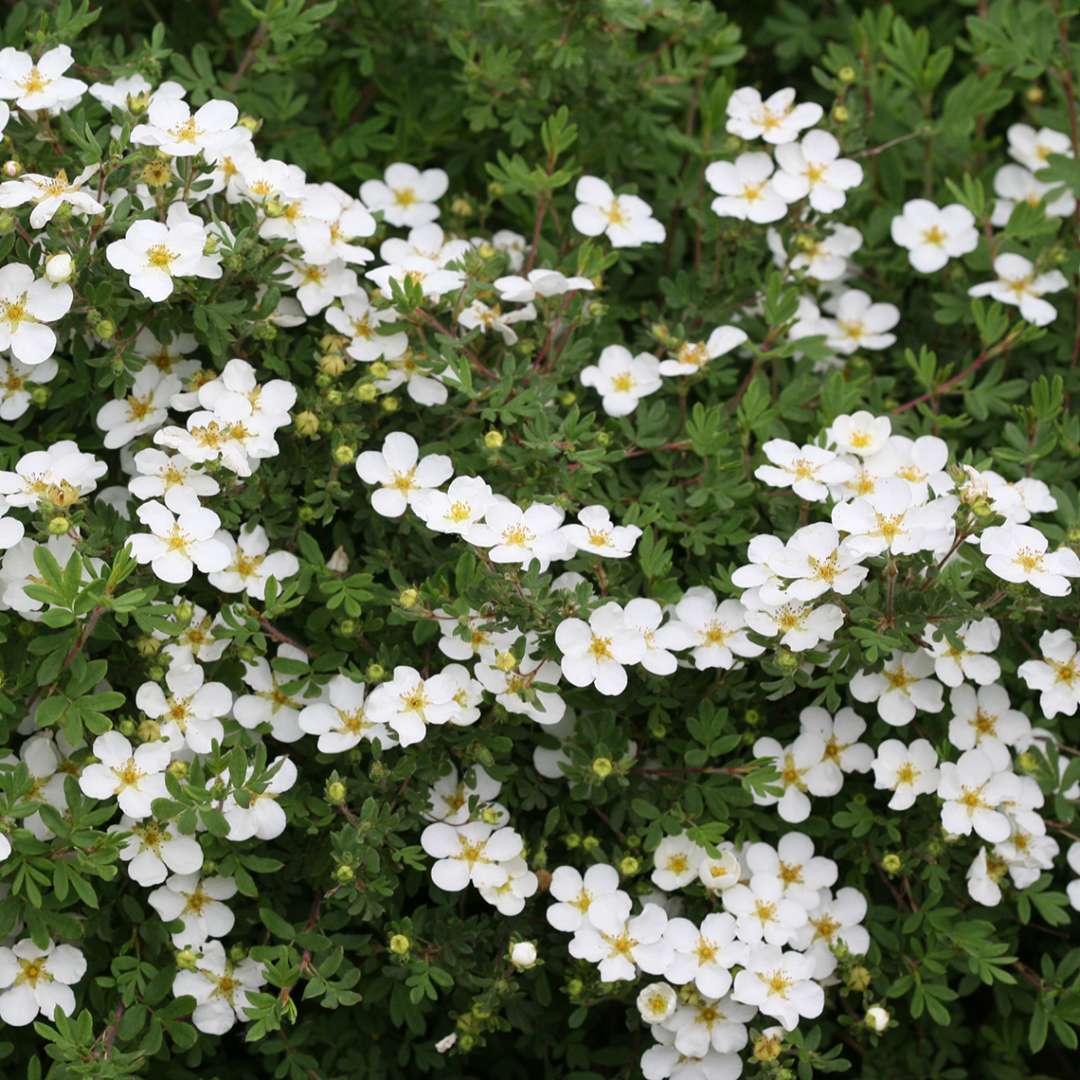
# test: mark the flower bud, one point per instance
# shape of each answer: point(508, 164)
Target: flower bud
point(347, 627)
point(575, 987)
point(149, 731)
point(461, 207)
point(39, 395)
point(274, 207)
point(1034, 94)
point(237, 953)
point(126, 727)
point(105, 329)
point(58, 525)
point(365, 392)
point(490, 815)
point(408, 598)
point(493, 440)
point(573, 840)
point(629, 866)
point(506, 661)
point(846, 74)
point(858, 978)
point(840, 114)
point(786, 660)
point(877, 1018)
point(59, 268)
point(344, 453)
point(12, 168)
point(1028, 762)
point(767, 1046)
point(390, 404)
point(186, 960)
point(252, 123)
point(137, 104)
point(603, 438)
point(307, 514)
point(399, 944)
point(379, 370)
point(332, 363)
point(568, 398)
point(148, 646)
point(333, 398)
point(7, 222)
point(179, 769)
point(891, 863)
point(590, 843)
point(602, 767)
point(335, 792)
point(523, 955)
point(185, 612)
point(374, 672)
point(343, 875)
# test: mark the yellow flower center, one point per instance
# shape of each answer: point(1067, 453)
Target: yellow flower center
point(600, 648)
point(160, 257)
point(933, 235)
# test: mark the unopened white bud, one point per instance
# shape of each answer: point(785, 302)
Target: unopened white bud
point(523, 955)
point(59, 268)
point(877, 1018)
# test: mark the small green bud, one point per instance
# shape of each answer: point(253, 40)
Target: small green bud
point(858, 979)
point(156, 672)
point(237, 953)
point(846, 74)
point(379, 370)
point(399, 944)
point(149, 731)
point(767, 1047)
point(408, 598)
point(365, 392)
point(603, 438)
point(841, 114)
point(891, 863)
point(390, 404)
point(323, 380)
point(335, 793)
point(493, 440)
point(1034, 94)
point(250, 122)
point(274, 207)
point(575, 987)
point(332, 364)
point(8, 221)
point(186, 960)
point(344, 453)
point(179, 769)
point(751, 718)
point(374, 672)
point(1073, 535)
point(148, 646)
point(629, 866)
point(58, 525)
point(347, 627)
point(307, 514)
point(786, 660)
point(490, 815)
point(39, 395)
point(343, 875)
point(264, 331)
point(602, 767)
point(126, 727)
point(590, 843)
point(105, 329)
point(333, 398)
point(573, 840)
point(568, 398)
point(1028, 762)
point(185, 612)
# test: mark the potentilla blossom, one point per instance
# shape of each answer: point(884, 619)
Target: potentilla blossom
point(41, 85)
point(484, 317)
point(262, 817)
point(190, 714)
point(693, 356)
point(889, 520)
point(816, 561)
point(626, 220)
point(143, 410)
point(221, 988)
point(744, 189)
point(460, 509)
point(622, 379)
point(133, 777)
point(776, 119)
point(401, 473)
point(1018, 554)
point(405, 196)
point(1014, 184)
point(408, 702)
point(986, 719)
point(1019, 284)
point(1057, 675)
point(800, 626)
point(49, 193)
point(763, 912)
point(718, 630)
point(251, 563)
point(595, 652)
point(17, 381)
point(153, 254)
point(793, 863)
point(858, 323)
point(171, 478)
point(359, 320)
point(972, 792)
point(660, 643)
point(807, 470)
point(35, 980)
point(676, 861)
point(27, 304)
point(622, 945)
point(576, 893)
point(906, 771)
point(860, 433)
point(803, 771)
point(175, 130)
point(780, 984)
point(474, 853)
point(516, 536)
point(902, 687)
point(704, 955)
point(198, 904)
point(814, 168)
point(154, 849)
point(933, 235)
point(60, 476)
point(843, 751)
point(595, 533)
point(341, 723)
point(176, 544)
point(971, 659)
point(539, 284)
point(1033, 149)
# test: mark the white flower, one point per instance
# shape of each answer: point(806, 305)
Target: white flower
point(744, 189)
point(262, 817)
point(400, 473)
point(817, 561)
point(793, 863)
point(814, 167)
point(806, 470)
point(58, 475)
point(777, 119)
point(34, 980)
point(859, 323)
point(359, 320)
point(1017, 283)
point(270, 703)
point(620, 945)
point(663, 1061)
point(622, 379)
point(1033, 148)
point(1072, 856)
point(1013, 184)
point(719, 874)
point(407, 703)
point(803, 768)
point(985, 719)
point(539, 285)
point(26, 305)
point(780, 984)
point(594, 653)
point(318, 285)
point(1018, 554)
point(459, 510)
point(861, 433)
point(933, 235)
point(1057, 675)
point(472, 853)
point(16, 382)
point(984, 877)
point(450, 798)
point(657, 1001)
point(341, 723)
point(708, 1032)
point(576, 894)
point(195, 640)
point(594, 532)
point(513, 535)
point(153, 253)
point(906, 771)
point(762, 911)
point(405, 195)
point(889, 520)
point(626, 220)
point(514, 684)
point(659, 643)
point(133, 777)
point(719, 630)
point(197, 903)
point(676, 861)
point(705, 955)
point(144, 409)
point(155, 849)
point(39, 86)
point(220, 988)
point(509, 897)
point(836, 920)
point(901, 687)
point(800, 626)
point(843, 751)
point(820, 259)
point(192, 712)
point(971, 791)
point(479, 315)
point(173, 129)
point(694, 355)
point(48, 194)
point(235, 395)
point(171, 478)
point(250, 567)
point(178, 543)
